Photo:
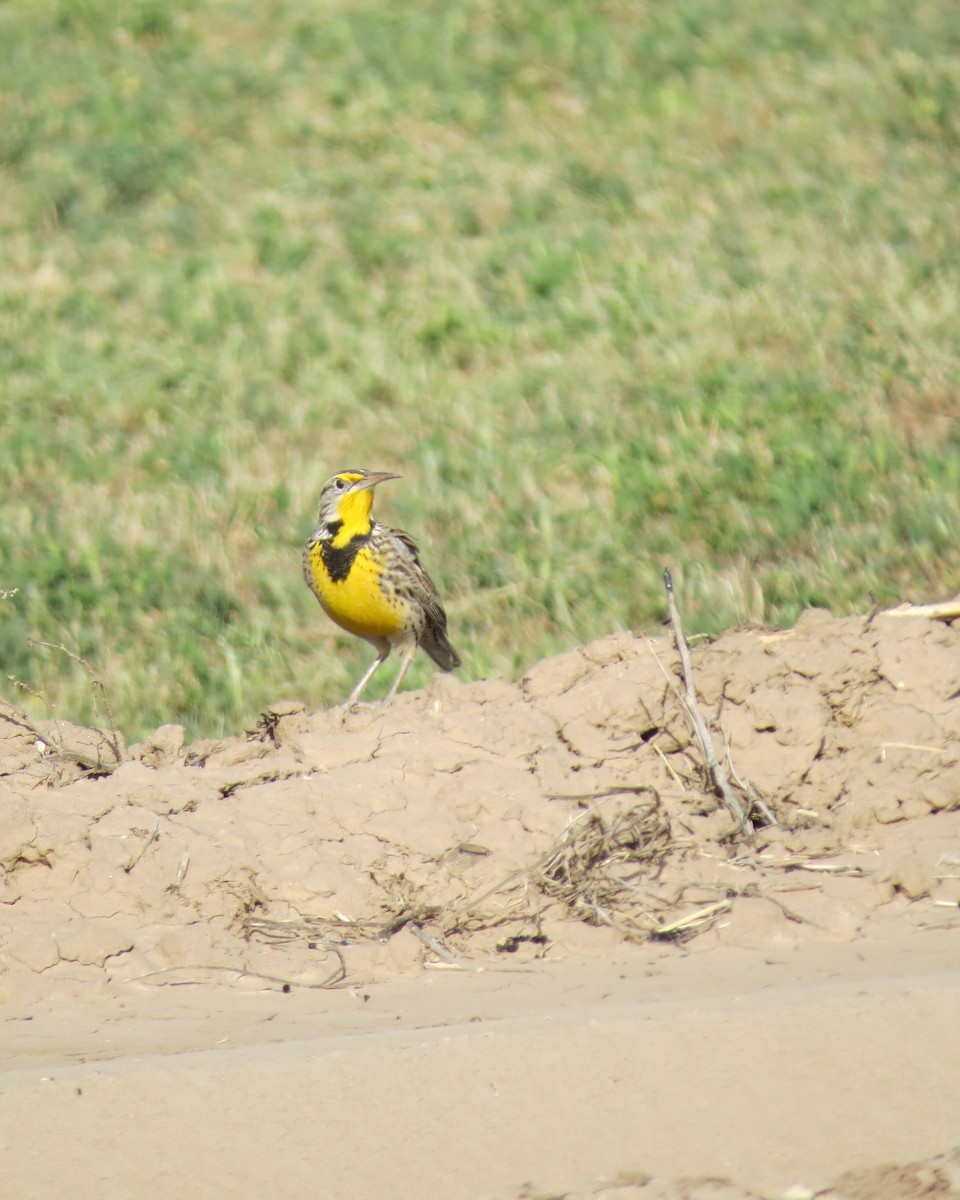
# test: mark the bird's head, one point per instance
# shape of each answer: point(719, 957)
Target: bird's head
point(345, 502)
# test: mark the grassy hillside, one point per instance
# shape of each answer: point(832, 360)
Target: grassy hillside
point(614, 286)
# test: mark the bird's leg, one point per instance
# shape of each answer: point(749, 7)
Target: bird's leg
point(369, 674)
point(404, 667)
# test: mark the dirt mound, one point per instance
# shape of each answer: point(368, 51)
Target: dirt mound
point(544, 817)
point(703, 999)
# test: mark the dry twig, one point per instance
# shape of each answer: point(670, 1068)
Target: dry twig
point(438, 948)
point(947, 610)
point(716, 773)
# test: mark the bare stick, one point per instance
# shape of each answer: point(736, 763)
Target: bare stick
point(948, 610)
point(437, 947)
point(718, 777)
point(153, 835)
point(756, 802)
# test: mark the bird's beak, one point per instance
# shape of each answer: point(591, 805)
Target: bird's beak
point(373, 479)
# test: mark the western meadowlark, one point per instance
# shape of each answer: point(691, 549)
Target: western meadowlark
point(369, 580)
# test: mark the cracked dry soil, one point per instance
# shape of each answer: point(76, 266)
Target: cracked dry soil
point(564, 817)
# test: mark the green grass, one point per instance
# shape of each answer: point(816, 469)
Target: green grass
point(613, 286)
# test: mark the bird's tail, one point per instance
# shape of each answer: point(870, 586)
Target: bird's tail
point(437, 645)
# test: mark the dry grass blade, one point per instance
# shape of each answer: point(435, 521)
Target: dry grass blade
point(826, 868)
point(312, 930)
point(330, 933)
point(317, 931)
point(692, 923)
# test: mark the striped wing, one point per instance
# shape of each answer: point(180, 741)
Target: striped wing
point(421, 586)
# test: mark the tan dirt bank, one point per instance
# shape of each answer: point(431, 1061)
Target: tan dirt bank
point(498, 939)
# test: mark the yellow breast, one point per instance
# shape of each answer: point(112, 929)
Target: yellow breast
point(357, 603)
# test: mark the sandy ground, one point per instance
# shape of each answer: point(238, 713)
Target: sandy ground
point(499, 940)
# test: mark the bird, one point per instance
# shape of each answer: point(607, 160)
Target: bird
point(369, 581)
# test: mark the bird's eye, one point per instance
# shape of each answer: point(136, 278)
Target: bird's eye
point(340, 485)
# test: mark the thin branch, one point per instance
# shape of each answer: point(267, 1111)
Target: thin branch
point(947, 610)
point(756, 801)
point(718, 776)
point(152, 836)
point(437, 947)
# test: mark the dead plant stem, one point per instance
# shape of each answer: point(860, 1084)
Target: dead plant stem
point(718, 776)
